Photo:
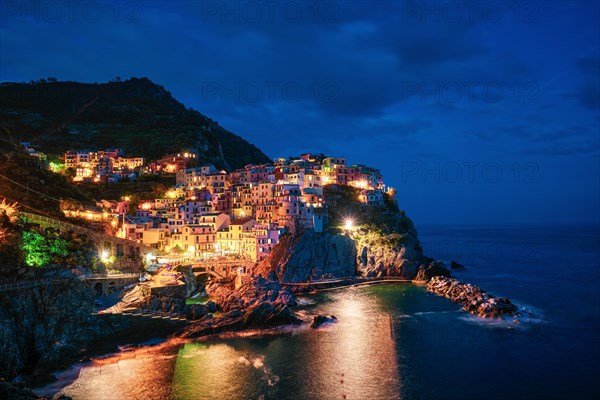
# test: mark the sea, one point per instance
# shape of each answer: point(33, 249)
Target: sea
point(397, 341)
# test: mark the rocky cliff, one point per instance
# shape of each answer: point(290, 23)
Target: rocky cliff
point(391, 249)
point(384, 253)
point(46, 327)
point(311, 256)
point(256, 303)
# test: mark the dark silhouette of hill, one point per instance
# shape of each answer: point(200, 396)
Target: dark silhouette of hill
point(136, 115)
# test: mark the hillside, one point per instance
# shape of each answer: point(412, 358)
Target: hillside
point(24, 180)
point(136, 115)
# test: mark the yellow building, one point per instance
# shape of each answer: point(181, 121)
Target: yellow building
point(239, 238)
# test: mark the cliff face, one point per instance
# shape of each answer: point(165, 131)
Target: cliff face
point(388, 254)
point(255, 303)
point(367, 252)
point(43, 328)
point(311, 256)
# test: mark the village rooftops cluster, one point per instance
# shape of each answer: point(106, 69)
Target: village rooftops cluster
point(110, 165)
point(102, 165)
point(243, 212)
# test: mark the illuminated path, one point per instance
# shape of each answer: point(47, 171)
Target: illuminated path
point(349, 281)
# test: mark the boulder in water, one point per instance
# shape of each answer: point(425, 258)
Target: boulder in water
point(428, 271)
point(321, 320)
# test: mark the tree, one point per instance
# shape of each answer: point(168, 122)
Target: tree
point(43, 249)
point(10, 253)
point(37, 252)
point(70, 172)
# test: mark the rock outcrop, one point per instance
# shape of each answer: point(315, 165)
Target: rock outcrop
point(258, 303)
point(382, 253)
point(46, 327)
point(321, 320)
point(431, 269)
point(472, 298)
point(310, 256)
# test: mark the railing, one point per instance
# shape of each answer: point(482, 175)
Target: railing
point(109, 277)
point(55, 222)
point(135, 312)
point(76, 228)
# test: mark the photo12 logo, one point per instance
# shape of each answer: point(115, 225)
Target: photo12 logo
point(270, 92)
point(69, 11)
point(471, 172)
point(450, 12)
point(469, 92)
point(270, 12)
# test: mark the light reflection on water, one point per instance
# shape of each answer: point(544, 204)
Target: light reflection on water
point(397, 341)
point(352, 359)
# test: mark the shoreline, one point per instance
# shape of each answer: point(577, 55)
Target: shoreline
point(343, 283)
point(149, 333)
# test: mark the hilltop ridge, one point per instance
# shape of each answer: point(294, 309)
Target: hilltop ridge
point(137, 115)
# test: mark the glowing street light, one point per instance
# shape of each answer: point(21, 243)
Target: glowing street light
point(349, 224)
point(191, 251)
point(105, 256)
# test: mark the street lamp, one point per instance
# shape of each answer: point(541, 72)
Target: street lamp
point(349, 224)
point(105, 256)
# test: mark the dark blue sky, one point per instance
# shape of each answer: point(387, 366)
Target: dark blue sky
point(475, 112)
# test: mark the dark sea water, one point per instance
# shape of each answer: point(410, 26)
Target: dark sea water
point(396, 341)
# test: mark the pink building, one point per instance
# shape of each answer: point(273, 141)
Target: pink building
point(266, 239)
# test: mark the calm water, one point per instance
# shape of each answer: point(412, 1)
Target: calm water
point(398, 341)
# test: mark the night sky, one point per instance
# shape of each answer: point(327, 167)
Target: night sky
point(476, 112)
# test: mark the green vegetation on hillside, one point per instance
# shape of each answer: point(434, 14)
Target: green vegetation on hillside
point(136, 115)
point(24, 179)
point(23, 244)
point(385, 226)
point(344, 203)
